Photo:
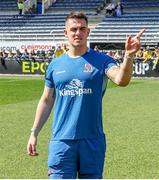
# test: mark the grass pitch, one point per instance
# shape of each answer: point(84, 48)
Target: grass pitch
point(130, 119)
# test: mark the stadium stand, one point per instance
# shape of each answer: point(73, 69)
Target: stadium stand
point(142, 4)
point(8, 7)
point(48, 26)
point(69, 5)
point(107, 29)
point(137, 15)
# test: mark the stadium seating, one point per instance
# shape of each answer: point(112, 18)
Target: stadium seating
point(8, 7)
point(116, 29)
point(65, 5)
point(47, 26)
point(141, 5)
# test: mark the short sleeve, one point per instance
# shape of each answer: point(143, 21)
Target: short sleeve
point(49, 77)
point(109, 63)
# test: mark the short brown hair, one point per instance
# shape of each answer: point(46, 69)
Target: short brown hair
point(77, 15)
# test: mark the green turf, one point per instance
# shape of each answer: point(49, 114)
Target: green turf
point(131, 123)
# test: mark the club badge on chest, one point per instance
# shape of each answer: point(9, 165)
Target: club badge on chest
point(88, 68)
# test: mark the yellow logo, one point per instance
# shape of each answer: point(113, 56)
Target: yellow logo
point(33, 67)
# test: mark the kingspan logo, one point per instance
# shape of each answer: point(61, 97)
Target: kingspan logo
point(75, 88)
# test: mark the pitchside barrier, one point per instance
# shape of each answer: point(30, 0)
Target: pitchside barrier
point(39, 67)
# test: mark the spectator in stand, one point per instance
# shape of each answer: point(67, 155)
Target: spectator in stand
point(33, 9)
point(32, 56)
point(52, 50)
point(119, 9)
point(42, 55)
point(156, 52)
point(118, 56)
point(96, 48)
point(156, 60)
point(10, 55)
point(65, 47)
point(30, 11)
point(5, 54)
point(139, 56)
point(59, 51)
point(20, 6)
point(147, 54)
point(110, 53)
point(2, 58)
point(17, 55)
point(49, 56)
point(110, 9)
point(51, 53)
point(25, 55)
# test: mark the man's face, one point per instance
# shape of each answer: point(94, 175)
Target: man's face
point(77, 32)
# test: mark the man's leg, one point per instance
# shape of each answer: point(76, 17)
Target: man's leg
point(62, 159)
point(92, 155)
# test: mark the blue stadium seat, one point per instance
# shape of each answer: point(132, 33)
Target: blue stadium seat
point(137, 15)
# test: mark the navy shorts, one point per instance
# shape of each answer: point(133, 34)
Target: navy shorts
point(69, 159)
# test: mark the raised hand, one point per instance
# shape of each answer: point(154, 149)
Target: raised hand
point(133, 44)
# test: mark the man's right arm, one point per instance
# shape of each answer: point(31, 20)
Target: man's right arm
point(42, 113)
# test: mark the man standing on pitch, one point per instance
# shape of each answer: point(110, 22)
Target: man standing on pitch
point(78, 79)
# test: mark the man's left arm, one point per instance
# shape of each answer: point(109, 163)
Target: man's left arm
point(122, 75)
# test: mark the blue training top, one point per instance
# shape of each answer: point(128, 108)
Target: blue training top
point(80, 84)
